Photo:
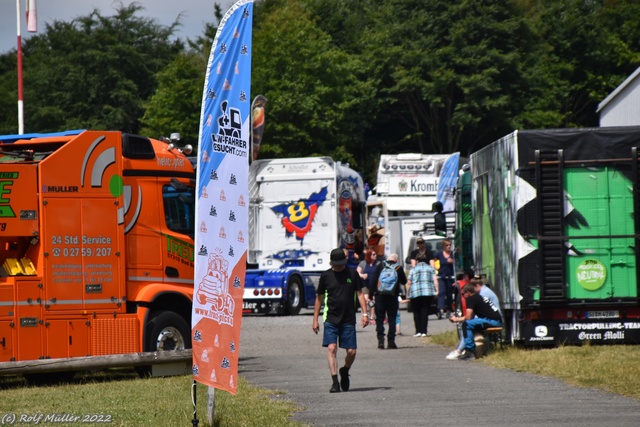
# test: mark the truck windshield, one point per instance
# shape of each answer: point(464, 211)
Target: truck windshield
point(179, 210)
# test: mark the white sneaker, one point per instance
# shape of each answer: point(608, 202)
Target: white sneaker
point(454, 355)
point(417, 335)
point(423, 335)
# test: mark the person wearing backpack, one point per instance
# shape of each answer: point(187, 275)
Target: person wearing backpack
point(384, 290)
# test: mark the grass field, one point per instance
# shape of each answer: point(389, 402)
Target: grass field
point(122, 398)
point(611, 368)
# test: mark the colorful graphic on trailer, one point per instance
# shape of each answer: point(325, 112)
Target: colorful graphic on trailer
point(221, 202)
point(297, 217)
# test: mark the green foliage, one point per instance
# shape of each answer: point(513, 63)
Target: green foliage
point(584, 50)
point(175, 106)
point(94, 72)
point(131, 401)
point(448, 69)
point(311, 85)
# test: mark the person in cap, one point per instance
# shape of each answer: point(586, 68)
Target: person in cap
point(338, 290)
point(423, 251)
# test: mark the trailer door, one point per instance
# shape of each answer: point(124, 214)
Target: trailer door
point(599, 222)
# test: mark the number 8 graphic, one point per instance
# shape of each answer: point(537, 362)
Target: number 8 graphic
point(297, 212)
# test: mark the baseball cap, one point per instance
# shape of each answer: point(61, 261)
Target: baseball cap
point(338, 257)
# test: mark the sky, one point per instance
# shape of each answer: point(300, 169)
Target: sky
point(195, 13)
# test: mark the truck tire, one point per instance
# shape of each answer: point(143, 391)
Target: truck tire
point(165, 331)
point(294, 296)
point(168, 331)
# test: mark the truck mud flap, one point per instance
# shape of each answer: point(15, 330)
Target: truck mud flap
point(577, 332)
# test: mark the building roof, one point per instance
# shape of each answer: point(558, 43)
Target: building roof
point(618, 90)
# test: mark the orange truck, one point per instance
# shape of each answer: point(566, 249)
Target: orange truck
point(96, 245)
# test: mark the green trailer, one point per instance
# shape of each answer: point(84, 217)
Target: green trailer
point(555, 220)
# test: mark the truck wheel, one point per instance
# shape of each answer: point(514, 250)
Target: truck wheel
point(168, 331)
point(165, 331)
point(294, 296)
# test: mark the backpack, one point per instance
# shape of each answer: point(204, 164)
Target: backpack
point(387, 279)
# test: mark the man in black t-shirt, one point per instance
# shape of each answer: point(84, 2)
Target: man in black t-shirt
point(337, 289)
point(481, 314)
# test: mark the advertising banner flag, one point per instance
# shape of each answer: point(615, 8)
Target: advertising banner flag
point(257, 125)
point(222, 202)
point(32, 17)
point(448, 181)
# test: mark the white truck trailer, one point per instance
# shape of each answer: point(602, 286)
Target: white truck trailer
point(299, 210)
point(402, 206)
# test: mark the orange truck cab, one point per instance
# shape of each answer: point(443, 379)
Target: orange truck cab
point(96, 245)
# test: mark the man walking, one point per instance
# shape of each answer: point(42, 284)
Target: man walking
point(384, 289)
point(337, 289)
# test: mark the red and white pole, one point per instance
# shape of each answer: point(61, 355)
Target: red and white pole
point(20, 96)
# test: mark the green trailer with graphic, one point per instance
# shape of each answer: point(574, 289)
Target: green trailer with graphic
point(555, 231)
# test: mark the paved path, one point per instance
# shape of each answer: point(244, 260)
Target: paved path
point(414, 385)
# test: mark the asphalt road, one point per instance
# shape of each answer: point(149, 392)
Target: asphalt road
point(414, 385)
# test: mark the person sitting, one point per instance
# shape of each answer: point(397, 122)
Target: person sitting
point(480, 314)
point(461, 307)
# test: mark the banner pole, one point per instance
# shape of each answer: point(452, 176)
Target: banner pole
point(20, 97)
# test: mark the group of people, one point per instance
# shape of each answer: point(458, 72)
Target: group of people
point(377, 287)
point(478, 308)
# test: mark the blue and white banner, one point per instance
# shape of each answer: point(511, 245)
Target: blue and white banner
point(448, 181)
point(222, 202)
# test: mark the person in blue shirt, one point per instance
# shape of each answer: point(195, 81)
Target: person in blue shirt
point(422, 288)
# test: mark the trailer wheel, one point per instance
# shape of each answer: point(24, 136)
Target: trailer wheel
point(168, 331)
point(294, 296)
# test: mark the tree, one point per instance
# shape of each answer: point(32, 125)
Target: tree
point(175, 106)
point(448, 70)
point(177, 102)
point(311, 85)
point(95, 71)
point(585, 49)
